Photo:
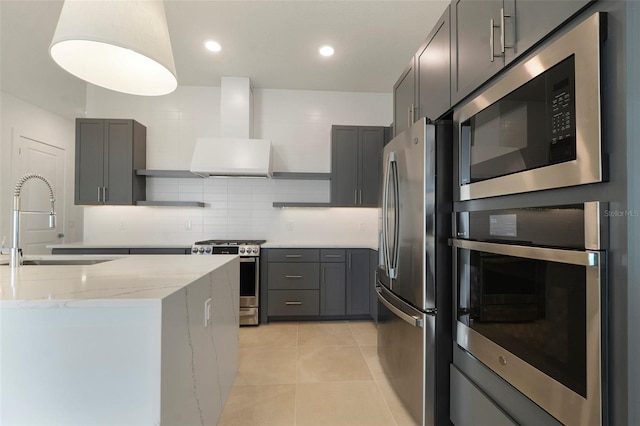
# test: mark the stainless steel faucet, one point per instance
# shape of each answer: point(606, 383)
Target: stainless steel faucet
point(14, 260)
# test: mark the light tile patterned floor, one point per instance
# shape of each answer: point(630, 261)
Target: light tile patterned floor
point(311, 373)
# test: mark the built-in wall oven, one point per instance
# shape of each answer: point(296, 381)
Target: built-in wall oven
point(249, 252)
point(531, 288)
point(539, 126)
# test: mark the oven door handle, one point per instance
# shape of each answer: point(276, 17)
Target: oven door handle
point(582, 258)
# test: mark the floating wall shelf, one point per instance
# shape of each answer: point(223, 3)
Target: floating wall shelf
point(171, 203)
point(302, 175)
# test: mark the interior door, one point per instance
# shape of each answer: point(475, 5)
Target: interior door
point(32, 156)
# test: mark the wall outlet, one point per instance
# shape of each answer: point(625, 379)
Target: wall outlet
point(187, 225)
point(289, 226)
point(361, 226)
point(207, 312)
point(121, 226)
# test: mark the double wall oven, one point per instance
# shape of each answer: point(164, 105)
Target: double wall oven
point(249, 252)
point(531, 282)
point(530, 290)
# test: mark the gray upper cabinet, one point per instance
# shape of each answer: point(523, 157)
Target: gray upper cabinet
point(108, 152)
point(356, 165)
point(433, 63)
point(404, 99)
point(535, 20)
point(424, 87)
point(488, 34)
point(475, 44)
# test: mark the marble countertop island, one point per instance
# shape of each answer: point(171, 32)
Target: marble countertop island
point(142, 340)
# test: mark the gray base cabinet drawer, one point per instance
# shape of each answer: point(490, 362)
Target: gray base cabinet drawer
point(332, 255)
point(294, 302)
point(470, 406)
point(295, 276)
point(293, 255)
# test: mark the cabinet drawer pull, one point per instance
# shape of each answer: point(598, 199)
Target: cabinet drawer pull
point(99, 192)
point(293, 302)
point(293, 276)
point(293, 255)
point(332, 255)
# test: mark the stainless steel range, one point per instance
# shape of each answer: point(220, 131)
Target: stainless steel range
point(249, 252)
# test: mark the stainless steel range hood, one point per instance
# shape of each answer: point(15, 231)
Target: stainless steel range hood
point(235, 153)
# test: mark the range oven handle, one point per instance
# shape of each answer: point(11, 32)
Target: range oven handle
point(582, 258)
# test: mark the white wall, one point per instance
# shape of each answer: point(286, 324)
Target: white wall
point(299, 126)
point(19, 117)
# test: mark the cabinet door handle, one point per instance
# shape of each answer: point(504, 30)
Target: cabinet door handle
point(293, 255)
point(355, 196)
point(99, 192)
point(322, 275)
point(104, 194)
point(491, 27)
point(332, 255)
point(293, 276)
point(502, 30)
point(360, 196)
point(349, 260)
point(293, 302)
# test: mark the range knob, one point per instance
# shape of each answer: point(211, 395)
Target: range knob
point(201, 250)
point(208, 249)
point(255, 250)
point(194, 250)
point(241, 250)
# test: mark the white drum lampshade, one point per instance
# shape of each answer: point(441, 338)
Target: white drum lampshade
point(121, 45)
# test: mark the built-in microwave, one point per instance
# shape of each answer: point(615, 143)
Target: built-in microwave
point(539, 126)
point(530, 291)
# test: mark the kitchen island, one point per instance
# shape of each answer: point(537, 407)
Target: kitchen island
point(137, 340)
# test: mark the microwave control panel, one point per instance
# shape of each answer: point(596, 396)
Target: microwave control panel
point(562, 112)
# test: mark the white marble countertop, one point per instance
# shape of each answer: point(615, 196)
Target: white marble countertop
point(122, 281)
point(315, 244)
point(80, 245)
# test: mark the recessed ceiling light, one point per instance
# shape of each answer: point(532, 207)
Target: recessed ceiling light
point(326, 51)
point(213, 46)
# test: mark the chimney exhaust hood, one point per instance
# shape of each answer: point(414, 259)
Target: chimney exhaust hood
point(234, 154)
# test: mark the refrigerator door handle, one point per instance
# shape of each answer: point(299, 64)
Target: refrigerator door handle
point(393, 268)
point(385, 216)
point(414, 320)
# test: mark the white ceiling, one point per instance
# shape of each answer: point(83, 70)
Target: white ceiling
point(275, 43)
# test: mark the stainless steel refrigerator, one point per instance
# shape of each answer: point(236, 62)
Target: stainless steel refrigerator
point(414, 275)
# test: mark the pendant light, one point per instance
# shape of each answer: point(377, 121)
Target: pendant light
point(121, 45)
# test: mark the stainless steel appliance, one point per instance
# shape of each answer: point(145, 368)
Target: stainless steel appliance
point(530, 297)
point(538, 127)
point(414, 275)
point(249, 252)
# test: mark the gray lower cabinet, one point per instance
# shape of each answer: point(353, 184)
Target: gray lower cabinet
point(470, 406)
point(332, 282)
point(356, 165)
point(317, 283)
point(486, 35)
point(108, 152)
point(359, 282)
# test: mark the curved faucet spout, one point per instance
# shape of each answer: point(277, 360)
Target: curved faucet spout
point(15, 243)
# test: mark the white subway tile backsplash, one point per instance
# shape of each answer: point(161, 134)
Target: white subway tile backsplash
point(299, 125)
